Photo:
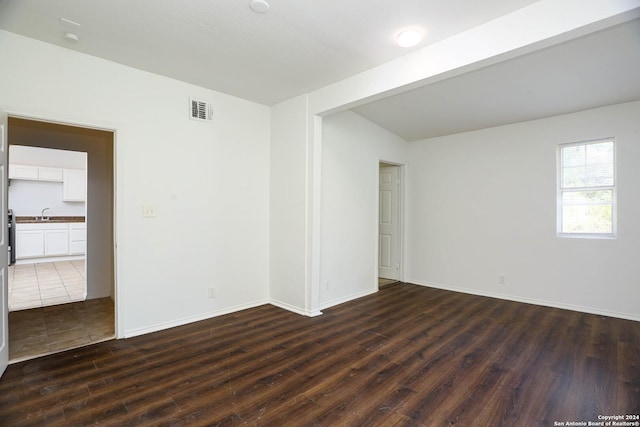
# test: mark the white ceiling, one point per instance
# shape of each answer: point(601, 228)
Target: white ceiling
point(300, 46)
point(296, 47)
point(596, 70)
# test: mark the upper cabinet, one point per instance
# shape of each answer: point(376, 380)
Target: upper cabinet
point(47, 178)
point(50, 174)
point(23, 172)
point(74, 185)
point(35, 173)
point(74, 181)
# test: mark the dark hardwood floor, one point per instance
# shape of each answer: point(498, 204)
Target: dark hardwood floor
point(408, 356)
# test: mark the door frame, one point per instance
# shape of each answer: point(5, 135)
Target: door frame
point(401, 218)
point(103, 126)
point(4, 240)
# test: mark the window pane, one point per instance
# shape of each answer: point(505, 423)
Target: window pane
point(600, 153)
point(596, 175)
point(587, 197)
point(587, 218)
point(586, 202)
point(589, 165)
point(573, 155)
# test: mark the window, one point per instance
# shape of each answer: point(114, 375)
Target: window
point(586, 189)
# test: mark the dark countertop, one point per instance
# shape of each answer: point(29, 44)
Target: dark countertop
point(52, 219)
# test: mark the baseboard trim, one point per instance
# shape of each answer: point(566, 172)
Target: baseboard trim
point(347, 298)
point(295, 309)
point(25, 261)
point(190, 319)
point(534, 301)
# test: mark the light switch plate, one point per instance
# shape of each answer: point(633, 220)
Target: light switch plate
point(148, 211)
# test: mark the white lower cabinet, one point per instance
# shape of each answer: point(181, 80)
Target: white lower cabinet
point(50, 240)
point(77, 238)
point(56, 242)
point(29, 243)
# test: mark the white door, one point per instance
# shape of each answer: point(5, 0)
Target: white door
point(388, 228)
point(4, 295)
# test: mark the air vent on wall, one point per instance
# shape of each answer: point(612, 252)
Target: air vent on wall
point(201, 110)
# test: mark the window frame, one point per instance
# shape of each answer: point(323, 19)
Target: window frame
point(560, 190)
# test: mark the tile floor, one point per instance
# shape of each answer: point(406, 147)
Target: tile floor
point(384, 282)
point(45, 284)
point(45, 330)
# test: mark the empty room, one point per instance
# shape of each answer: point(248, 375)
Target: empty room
point(321, 213)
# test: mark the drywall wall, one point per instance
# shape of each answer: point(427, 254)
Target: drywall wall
point(508, 36)
point(37, 156)
point(29, 198)
point(483, 204)
point(287, 204)
point(352, 148)
point(208, 182)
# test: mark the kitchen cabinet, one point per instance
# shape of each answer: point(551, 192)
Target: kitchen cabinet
point(50, 174)
point(29, 243)
point(35, 173)
point(74, 181)
point(23, 172)
point(77, 238)
point(56, 242)
point(37, 240)
point(74, 185)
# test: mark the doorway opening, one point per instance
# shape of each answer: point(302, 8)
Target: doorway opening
point(47, 209)
point(390, 225)
point(84, 245)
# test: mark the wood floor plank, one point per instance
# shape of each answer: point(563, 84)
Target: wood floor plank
point(406, 356)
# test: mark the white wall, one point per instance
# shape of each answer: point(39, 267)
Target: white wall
point(288, 201)
point(508, 36)
point(352, 148)
point(37, 156)
point(28, 198)
point(484, 203)
point(208, 182)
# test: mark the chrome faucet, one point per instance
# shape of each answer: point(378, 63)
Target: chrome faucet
point(42, 214)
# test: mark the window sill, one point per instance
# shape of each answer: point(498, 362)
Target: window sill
point(597, 236)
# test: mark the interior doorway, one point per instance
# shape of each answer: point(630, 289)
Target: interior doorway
point(31, 327)
point(390, 202)
point(47, 210)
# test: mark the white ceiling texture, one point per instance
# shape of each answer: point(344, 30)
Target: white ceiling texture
point(302, 45)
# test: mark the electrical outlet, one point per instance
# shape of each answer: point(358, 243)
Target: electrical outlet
point(326, 285)
point(502, 280)
point(148, 211)
point(212, 292)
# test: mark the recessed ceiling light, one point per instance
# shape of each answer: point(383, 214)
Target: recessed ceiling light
point(260, 6)
point(409, 37)
point(71, 37)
